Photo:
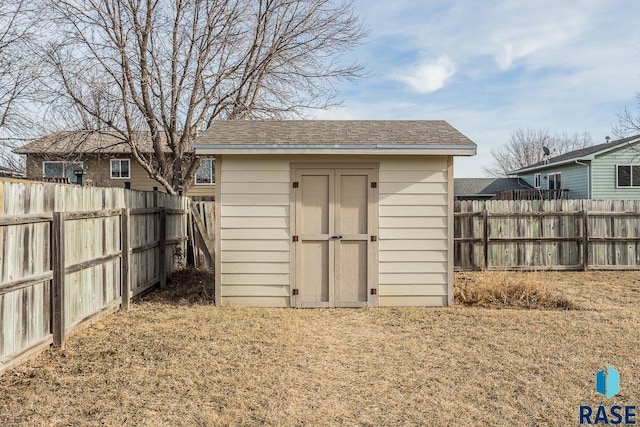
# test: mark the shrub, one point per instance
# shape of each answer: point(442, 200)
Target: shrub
point(508, 289)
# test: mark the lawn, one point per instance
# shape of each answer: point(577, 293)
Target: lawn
point(171, 361)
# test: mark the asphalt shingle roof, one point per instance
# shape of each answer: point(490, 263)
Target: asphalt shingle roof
point(328, 132)
point(66, 142)
point(487, 186)
point(578, 154)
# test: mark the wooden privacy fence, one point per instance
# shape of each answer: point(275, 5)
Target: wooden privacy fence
point(70, 254)
point(547, 235)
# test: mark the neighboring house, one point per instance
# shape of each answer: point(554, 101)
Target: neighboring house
point(604, 171)
point(486, 188)
point(334, 213)
point(10, 173)
point(100, 159)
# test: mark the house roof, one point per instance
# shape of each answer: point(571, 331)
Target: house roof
point(486, 186)
point(67, 142)
point(5, 171)
point(586, 153)
point(8, 170)
point(344, 136)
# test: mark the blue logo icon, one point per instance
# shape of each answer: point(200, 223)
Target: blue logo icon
point(608, 382)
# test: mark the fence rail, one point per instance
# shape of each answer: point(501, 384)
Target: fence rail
point(70, 254)
point(547, 235)
point(533, 194)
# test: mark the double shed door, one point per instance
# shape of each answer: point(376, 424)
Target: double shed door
point(336, 228)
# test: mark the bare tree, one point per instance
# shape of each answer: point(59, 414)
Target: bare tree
point(628, 121)
point(171, 69)
point(526, 148)
point(18, 71)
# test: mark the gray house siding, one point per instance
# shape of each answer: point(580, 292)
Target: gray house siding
point(604, 174)
point(529, 179)
point(575, 178)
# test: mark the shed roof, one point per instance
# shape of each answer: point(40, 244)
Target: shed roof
point(343, 136)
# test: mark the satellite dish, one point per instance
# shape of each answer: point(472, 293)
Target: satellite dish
point(546, 151)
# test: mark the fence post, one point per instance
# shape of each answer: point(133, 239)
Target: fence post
point(163, 248)
point(57, 284)
point(585, 240)
point(485, 236)
point(125, 262)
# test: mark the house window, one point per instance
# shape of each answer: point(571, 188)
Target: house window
point(71, 170)
point(536, 180)
point(628, 175)
point(555, 181)
point(120, 169)
point(205, 174)
point(52, 169)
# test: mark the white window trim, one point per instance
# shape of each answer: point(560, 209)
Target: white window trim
point(61, 162)
point(554, 179)
point(212, 172)
point(111, 169)
point(537, 180)
point(630, 176)
point(65, 165)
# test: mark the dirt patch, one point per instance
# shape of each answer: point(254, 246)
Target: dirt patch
point(188, 286)
point(169, 363)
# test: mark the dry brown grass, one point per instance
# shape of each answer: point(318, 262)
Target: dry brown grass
point(508, 289)
point(168, 362)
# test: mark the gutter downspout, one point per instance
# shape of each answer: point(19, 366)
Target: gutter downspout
point(588, 165)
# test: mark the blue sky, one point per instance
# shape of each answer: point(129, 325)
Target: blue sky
point(492, 67)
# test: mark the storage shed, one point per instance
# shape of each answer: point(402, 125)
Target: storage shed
point(334, 213)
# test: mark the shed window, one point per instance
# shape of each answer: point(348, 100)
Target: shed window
point(205, 174)
point(628, 175)
point(120, 168)
point(71, 170)
point(536, 180)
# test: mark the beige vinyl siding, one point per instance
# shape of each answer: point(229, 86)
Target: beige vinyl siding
point(254, 231)
point(255, 258)
point(201, 191)
point(413, 231)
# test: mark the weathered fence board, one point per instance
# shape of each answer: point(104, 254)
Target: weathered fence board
point(547, 234)
point(202, 224)
point(65, 257)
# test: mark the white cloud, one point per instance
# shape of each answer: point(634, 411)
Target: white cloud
point(428, 76)
point(516, 43)
point(561, 66)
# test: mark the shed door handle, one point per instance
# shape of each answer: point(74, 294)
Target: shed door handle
point(336, 237)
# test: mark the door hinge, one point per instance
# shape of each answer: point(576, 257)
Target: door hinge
point(295, 238)
point(374, 238)
point(374, 291)
point(374, 185)
point(295, 184)
point(295, 292)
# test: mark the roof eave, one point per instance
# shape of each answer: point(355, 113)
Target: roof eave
point(79, 152)
point(368, 149)
point(549, 165)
